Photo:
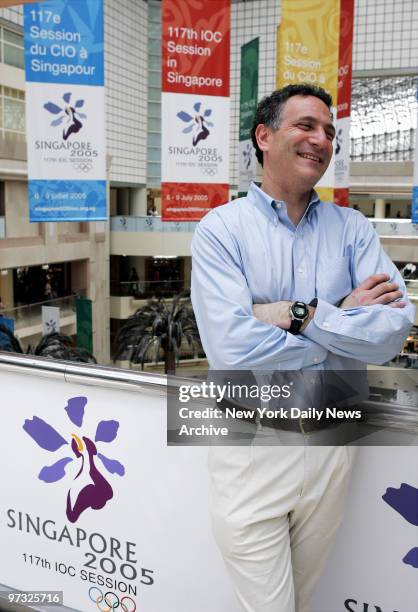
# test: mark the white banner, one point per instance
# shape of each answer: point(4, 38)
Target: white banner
point(63, 143)
point(93, 503)
point(131, 521)
point(50, 320)
point(247, 164)
point(342, 153)
point(194, 138)
point(373, 567)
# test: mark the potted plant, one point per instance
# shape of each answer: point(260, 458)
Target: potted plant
point(156, 331)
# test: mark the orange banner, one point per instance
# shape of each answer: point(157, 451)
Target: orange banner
point(191, 201)
point(194, 107)
point(195, 47)
point(308, 44)
point(342, 141)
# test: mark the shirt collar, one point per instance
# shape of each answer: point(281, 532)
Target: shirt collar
point(268, 206)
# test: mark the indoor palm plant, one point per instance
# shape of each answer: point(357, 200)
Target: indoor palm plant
point(156, 331)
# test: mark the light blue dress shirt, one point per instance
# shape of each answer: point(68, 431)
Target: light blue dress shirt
point(249, 252)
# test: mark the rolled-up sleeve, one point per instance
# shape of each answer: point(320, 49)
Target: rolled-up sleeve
point(372, 334)
point(231, 336)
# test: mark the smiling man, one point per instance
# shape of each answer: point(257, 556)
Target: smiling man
point(283, 281)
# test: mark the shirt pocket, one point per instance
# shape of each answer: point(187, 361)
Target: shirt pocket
point(333, 279)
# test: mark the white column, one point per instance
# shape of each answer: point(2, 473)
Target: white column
point(379, 208)
point(138, 201)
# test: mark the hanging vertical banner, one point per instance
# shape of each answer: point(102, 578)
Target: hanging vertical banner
point(307, 52)
point(84, 311)
point(50, 320)
point(342, 138)
point(414, 207)
point(248, 104)
point(194, 107)
point(65, 120)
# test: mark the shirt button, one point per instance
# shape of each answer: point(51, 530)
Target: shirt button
point(316, 359)
point(325, 325)
point(300, 270)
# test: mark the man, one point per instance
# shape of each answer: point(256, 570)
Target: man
point(283, 281)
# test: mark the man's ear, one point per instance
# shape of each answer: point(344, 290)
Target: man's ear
point(262, 134)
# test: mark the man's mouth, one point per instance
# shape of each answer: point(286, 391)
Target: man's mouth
point(310, 156)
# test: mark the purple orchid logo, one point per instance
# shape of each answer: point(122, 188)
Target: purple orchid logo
point(247, 155)
point(405, 501)
point(338, 141)
point(69, 113)
point(89, 489)
point(197, 123)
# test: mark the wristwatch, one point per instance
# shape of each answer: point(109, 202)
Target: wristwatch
point(298, 313)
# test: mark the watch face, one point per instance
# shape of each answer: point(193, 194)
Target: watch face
point(299, 310)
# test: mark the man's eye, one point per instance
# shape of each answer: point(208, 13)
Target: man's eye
point(330, 136)
point(305, 126)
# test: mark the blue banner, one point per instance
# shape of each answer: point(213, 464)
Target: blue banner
point(68, 200)
point(414, 206)
point(64, 42)
point(64, 61)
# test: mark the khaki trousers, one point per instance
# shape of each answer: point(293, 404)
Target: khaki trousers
point(275, 511)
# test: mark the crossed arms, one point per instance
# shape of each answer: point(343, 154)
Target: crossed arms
point(376, 289)
point(368, 326)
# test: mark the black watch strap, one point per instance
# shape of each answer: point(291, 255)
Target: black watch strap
point(295, 326)
point(314, 302)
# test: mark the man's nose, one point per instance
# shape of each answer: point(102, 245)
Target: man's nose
point(319, 138)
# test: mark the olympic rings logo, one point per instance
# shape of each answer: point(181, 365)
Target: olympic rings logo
point(209, 171)
point(82, 166)
point(111, 601)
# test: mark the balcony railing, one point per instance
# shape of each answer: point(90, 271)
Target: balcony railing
point(384, 227)
point(149, 224)
point(31, 314)
point(395, 227)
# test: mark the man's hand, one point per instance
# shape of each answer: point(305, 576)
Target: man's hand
point(374, 290)
point(278, 314)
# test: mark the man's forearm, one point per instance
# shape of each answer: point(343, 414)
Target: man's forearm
point(374, 290)
point(372, 334)
point(278, 314)
point(362, 334)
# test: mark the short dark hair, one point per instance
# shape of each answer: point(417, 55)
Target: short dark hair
point(269, 109)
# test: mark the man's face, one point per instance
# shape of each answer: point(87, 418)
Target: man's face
point(301, 148)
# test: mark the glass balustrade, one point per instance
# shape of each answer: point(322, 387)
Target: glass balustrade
point(149, 224)
point(31, 314)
